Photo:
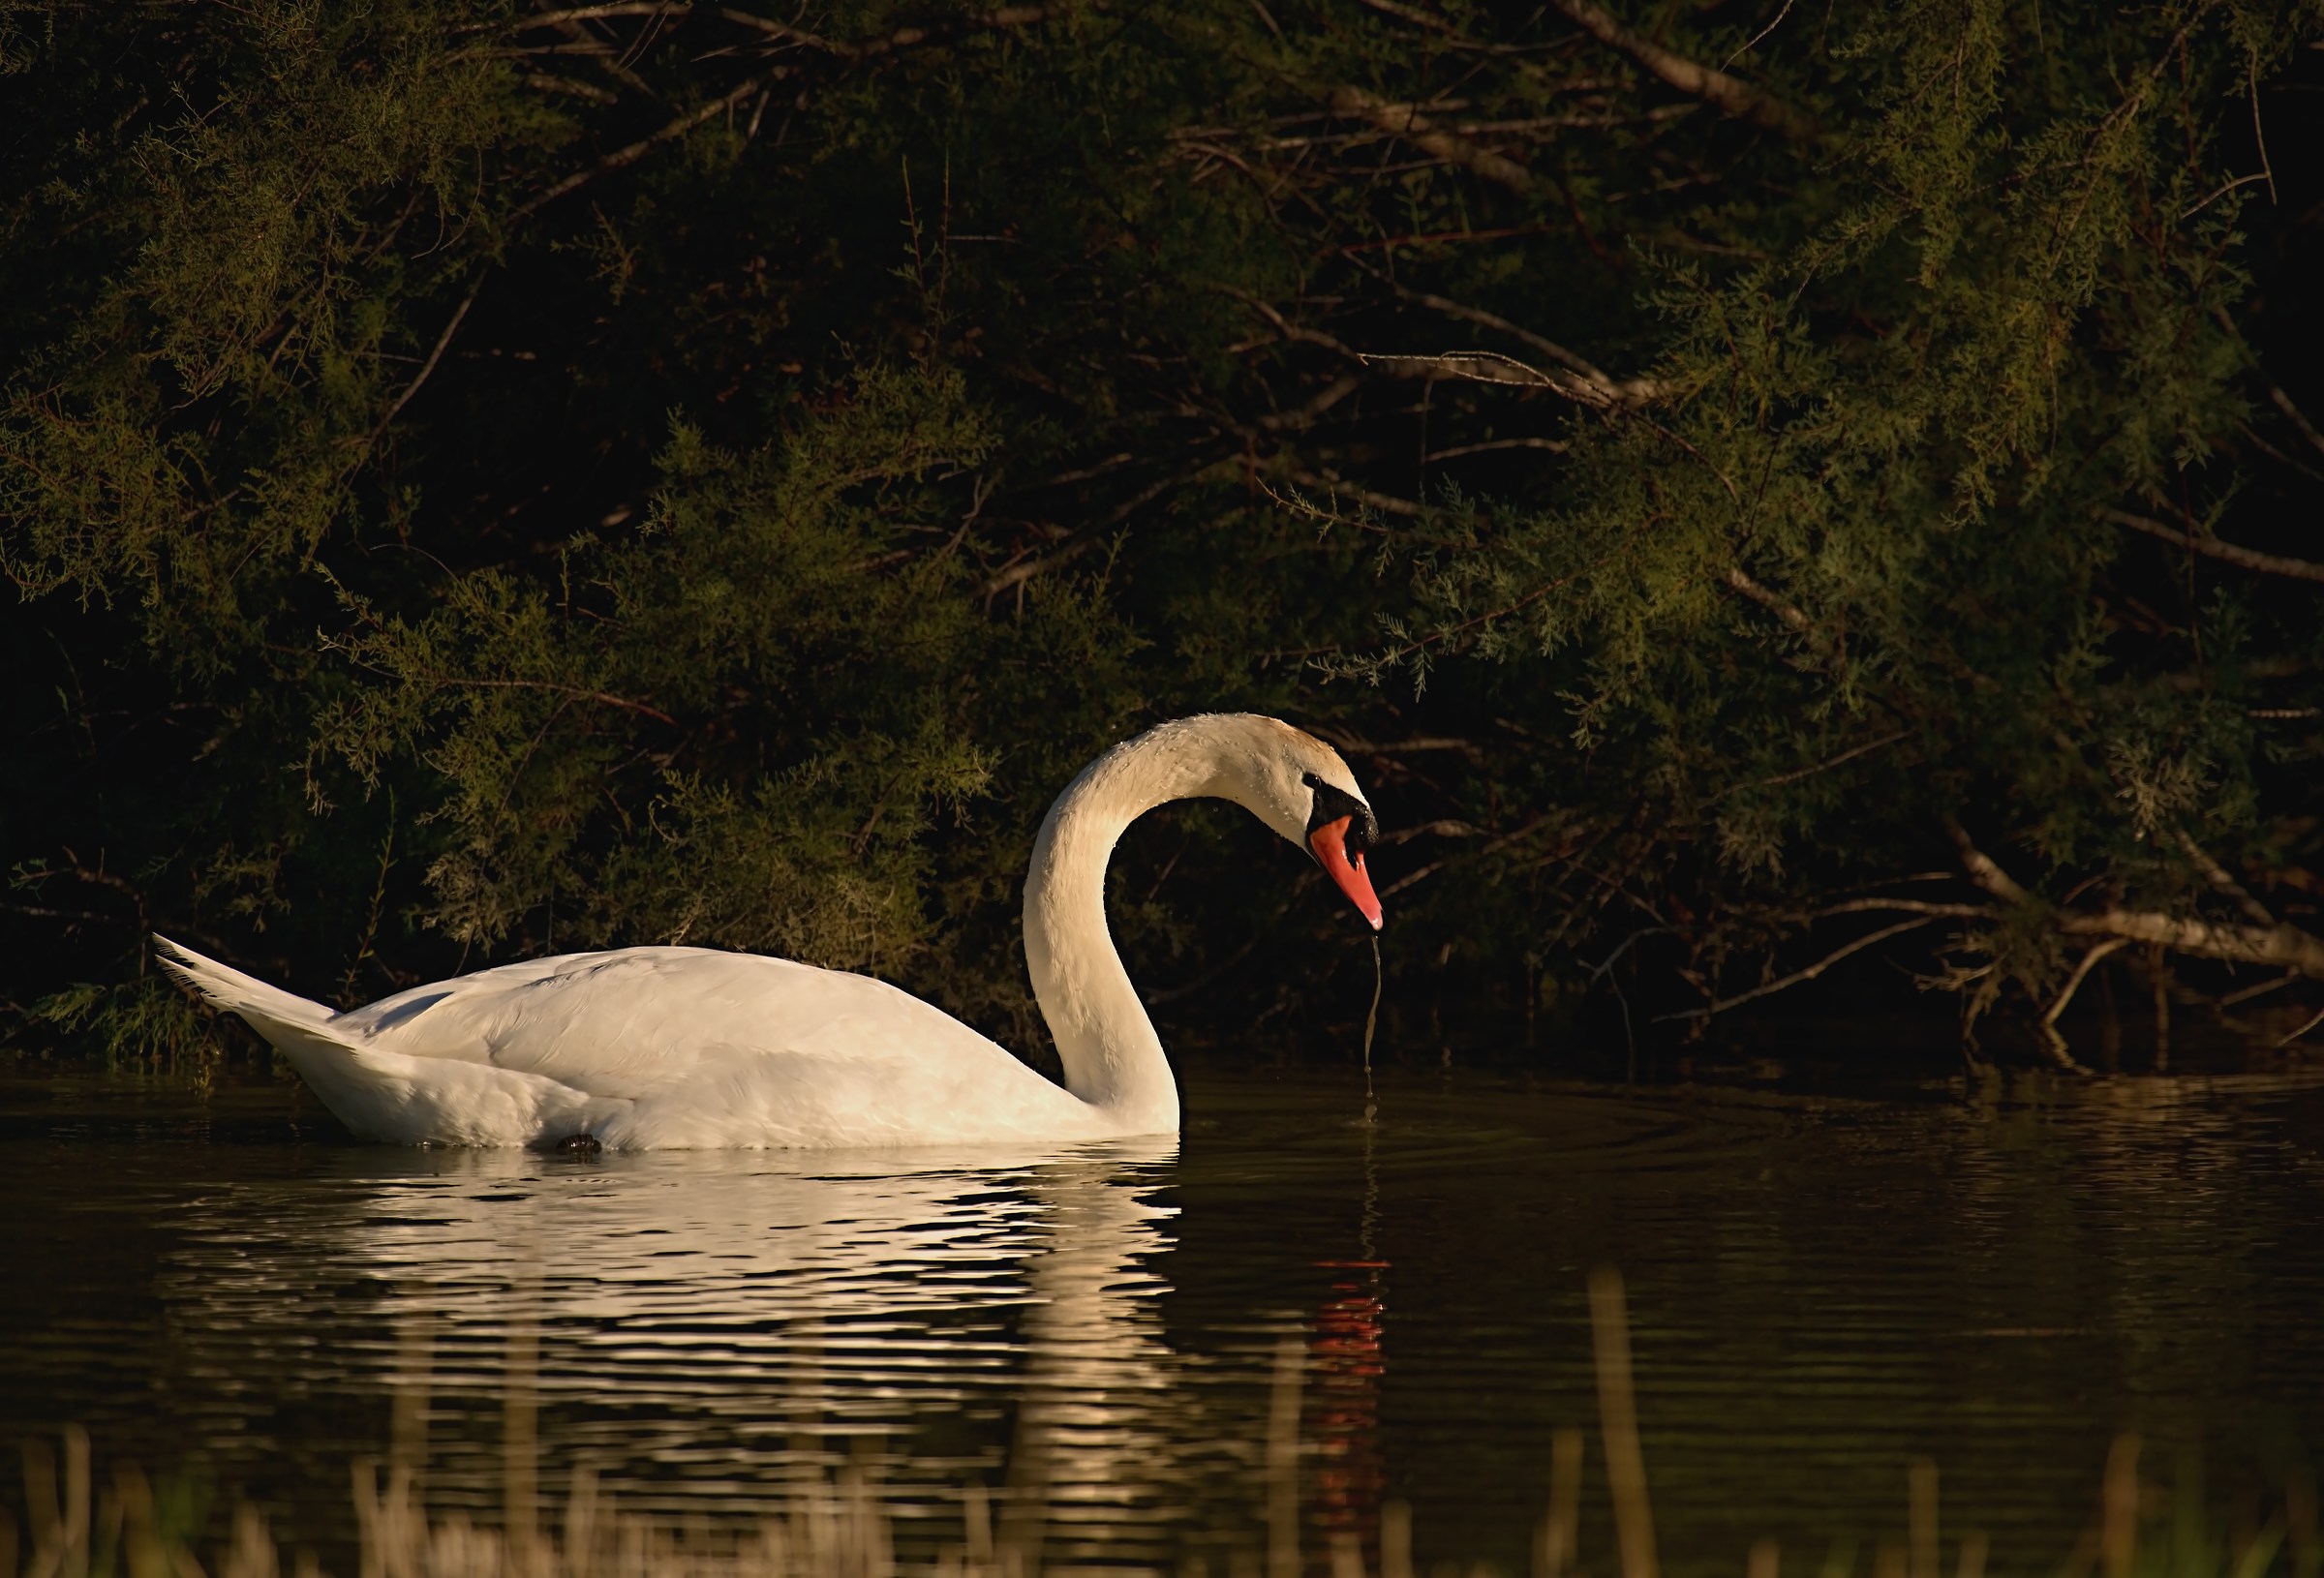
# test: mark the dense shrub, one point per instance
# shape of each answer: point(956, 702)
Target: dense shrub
point(1746, 484)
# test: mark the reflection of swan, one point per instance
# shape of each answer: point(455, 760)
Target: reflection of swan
point(706, 1323)
point(1098, 1420)
point(646, 1048)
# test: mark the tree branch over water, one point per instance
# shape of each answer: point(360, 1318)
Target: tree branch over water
point(2277, 944)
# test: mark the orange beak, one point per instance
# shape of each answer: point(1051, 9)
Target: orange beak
point(1331, 846)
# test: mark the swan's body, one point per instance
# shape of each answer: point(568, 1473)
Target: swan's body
point(655, 1048)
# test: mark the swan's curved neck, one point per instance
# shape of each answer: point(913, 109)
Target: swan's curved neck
point(1113, 1058)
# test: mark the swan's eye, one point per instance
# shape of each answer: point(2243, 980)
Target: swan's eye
point(1311, 780)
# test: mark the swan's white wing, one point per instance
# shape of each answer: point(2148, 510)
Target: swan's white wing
point(712, 1049)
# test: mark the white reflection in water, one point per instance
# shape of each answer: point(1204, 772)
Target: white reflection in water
point(727, 1321)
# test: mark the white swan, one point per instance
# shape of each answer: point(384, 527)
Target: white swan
point(690, 1048)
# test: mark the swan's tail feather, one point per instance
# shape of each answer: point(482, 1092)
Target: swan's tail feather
point(301, 1031)
point(383, 1094)
point(268, 1008)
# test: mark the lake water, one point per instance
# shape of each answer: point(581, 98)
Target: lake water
point(1821, 1288)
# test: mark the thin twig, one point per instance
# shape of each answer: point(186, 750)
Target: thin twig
point(1715, 88)
point(2250, 559)
point(1630, 389)
point(2051, 1037)
point(904, 38)
point(1073, 545)
point(2230, 185)
point(591, 13)
point(1555, 446)
point(2258, 132)
point(1802, 976)
point(1809, 772)
point(1491, 847)
point(1407, 122)
point(2302, 1031)
point(1759, 38)
point(2236, 998)
point(1467, 366)
point(1908, 906)
point(622, 158)
point(2284, 402)
point(2218, 876)
point(1599, 970)
point(435, 356)
point(571, 693)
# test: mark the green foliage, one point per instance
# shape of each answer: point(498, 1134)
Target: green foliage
point(828, 720)
point(484, 481)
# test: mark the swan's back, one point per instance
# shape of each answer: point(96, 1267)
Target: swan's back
point(631, 1021)
point(651, 1048)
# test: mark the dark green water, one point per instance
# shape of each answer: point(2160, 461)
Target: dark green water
point(1822, 1291)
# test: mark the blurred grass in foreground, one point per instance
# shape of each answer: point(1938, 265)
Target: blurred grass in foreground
point(838, 1527)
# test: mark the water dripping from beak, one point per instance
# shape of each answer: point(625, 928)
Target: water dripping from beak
point(1372, 1022)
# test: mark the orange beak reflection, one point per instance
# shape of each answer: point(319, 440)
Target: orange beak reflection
point(1331, 846)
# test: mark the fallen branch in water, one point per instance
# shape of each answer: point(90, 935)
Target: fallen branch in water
point(2282, 944)
point(2051, 1036)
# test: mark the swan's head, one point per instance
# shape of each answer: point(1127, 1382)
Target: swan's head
point(1301, 789)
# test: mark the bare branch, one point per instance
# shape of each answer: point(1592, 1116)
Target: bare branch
point(1402, 748)
point(1909, 906)
point(1631, 388)
point(2250, 559)
point(2302, 1031)
point(435, 356)
point(1555, 446)
point(1801, 977)
point(2259, 132)
point(1491, 847)
point(621, 158)
point(1981, 867)
point(2056, 1042)
point(2234, 998)
point(1814, 767)
point(1415, 16)
point(568, 691)
point(2283, 403)
point(1074, 544)
point(1766, 597)
point(1335, 487)
point(550, 82)
point(2285, 946)
point(2216, 875)
point(904, 38)
point(591, 13)
point(1407, 122)
point(1441, 828)
point(1721, 91)
point(1466, 366)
